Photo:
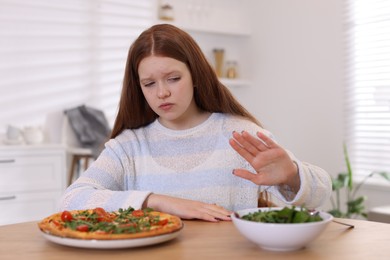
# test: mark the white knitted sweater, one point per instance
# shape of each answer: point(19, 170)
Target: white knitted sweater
point(195, 164)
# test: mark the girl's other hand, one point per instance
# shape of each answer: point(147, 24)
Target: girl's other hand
point(187, 209)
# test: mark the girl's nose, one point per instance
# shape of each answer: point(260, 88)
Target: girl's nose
point(163, 91)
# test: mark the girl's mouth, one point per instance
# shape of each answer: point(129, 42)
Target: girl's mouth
point(166, 106)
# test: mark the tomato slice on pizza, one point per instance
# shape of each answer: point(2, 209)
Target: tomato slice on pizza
point(100, 224)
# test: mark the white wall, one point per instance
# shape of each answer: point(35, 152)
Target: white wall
point(298, 74)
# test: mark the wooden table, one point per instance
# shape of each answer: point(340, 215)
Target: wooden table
point(203, 240)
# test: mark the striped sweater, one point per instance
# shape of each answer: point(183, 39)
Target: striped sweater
point(195, 164)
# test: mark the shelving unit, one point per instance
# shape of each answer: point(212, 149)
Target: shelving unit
point(216, 24)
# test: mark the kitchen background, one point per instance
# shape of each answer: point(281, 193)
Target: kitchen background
point(289, 56)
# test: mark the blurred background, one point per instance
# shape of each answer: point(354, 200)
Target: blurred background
point(292, 61)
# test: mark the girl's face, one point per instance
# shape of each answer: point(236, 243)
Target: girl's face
point(167, 86)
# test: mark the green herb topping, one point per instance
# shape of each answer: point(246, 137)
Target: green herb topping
point(123, 221)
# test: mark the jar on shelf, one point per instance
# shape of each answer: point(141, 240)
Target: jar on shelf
point(231, 70)
point(219, 57)
point(166, 12)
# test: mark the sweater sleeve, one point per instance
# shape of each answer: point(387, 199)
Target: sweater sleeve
point(315, 188)
point(104, 183)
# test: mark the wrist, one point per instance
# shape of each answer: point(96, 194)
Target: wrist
point(294, 181)
point(150, 201)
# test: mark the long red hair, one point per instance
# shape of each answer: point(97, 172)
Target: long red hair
point(169, 41)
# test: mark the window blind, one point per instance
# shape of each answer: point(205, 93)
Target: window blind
point(58, 54)
point(368, 88)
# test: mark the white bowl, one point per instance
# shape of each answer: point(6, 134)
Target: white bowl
point(279, 237)
point(33, 135)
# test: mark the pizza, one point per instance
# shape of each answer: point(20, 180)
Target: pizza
point(102, 225)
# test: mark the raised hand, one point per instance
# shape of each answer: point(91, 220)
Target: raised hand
point(272, 163)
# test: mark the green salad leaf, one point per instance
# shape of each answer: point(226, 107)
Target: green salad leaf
point(286, 215)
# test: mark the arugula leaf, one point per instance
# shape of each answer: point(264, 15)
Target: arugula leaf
point(286, 215)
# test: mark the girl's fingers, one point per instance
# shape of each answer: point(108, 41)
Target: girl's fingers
point(255, 178)
point(253, 144)
point(259, 143)
point(213, 212)
point(246, 144)
point(267, 140)
point(241, 150)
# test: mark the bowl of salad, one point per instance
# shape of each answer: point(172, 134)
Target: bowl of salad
point(281, 228)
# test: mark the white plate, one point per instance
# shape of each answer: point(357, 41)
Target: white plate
point(111, 244)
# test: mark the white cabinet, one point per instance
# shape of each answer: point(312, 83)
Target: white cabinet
point(220, 24)
point(32, 179)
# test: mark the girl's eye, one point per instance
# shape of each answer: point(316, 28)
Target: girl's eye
point(174, 79)
point(148, 84)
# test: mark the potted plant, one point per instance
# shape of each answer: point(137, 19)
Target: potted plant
point(344, 181)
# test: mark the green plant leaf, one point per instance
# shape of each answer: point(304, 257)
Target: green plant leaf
point(336, 213)
point(337, 184)
point(356, 206)
point(340, 182)
point(357, 201)
point(349, 168)
point(385, 175)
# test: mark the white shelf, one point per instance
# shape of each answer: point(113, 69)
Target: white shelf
point(223, 17)
point(235, 83)
point(240, 32)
